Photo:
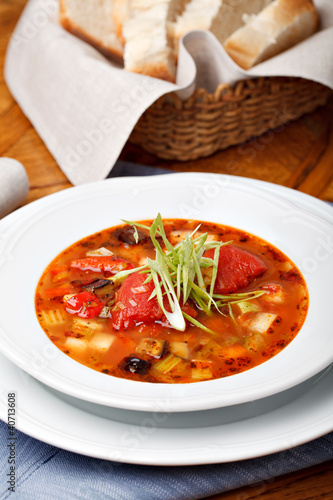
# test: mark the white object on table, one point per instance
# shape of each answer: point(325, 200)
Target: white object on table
point(14, 185)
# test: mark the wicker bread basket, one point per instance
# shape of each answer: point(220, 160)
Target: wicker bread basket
point(179, 130)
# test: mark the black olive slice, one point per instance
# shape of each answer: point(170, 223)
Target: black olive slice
point(94, 285)
point(126, 235)
point(134, 364)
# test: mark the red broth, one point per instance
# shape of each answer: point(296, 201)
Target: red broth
point(80, 311)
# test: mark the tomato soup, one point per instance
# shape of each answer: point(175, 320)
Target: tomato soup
point(193, 301)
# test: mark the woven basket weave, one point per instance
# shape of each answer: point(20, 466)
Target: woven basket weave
point(205, 123)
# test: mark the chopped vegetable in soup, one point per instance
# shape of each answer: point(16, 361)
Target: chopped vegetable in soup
point(171, 301)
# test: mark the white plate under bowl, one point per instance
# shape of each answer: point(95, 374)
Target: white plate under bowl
point(299, 225)
point(167, 439)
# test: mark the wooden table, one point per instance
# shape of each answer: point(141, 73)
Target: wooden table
point(298, 156)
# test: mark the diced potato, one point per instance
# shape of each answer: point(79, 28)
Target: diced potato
point(201, 369)
point(99, 252)
point(178, 236)
point(211, 347)
point(210, 237)
point(231, 341)
point(247, 306)
point(85, 327)
point(179, 349)
point(254, 342)
point(234, 351)
point(303, 304)
point(52, 317)
point(260, 322)
point(102, 341)
point(77, 345)
point(274, 294)
point(152, 347)
point(285, 266)
point(143, 261)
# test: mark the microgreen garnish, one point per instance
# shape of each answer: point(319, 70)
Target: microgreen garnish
point(196, 323)
point(178, 275)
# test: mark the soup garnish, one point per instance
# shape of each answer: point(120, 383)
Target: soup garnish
point(171, 301)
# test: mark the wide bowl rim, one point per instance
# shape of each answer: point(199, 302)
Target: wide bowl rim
point(60, 372)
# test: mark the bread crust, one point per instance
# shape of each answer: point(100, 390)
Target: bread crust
point(276, 28)
point(69, 25)
point(158, 70)
point(282, 23)
point(289, 9)
point(120, 12)
point(149, 47)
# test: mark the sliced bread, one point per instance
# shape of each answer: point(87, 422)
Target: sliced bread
point(278, 27)
point(120, 12)
point(221, 17)
point(92, 21)
point(149, 46)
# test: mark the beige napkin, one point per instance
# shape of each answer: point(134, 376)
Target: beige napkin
point(85, 108)
point(14, 185)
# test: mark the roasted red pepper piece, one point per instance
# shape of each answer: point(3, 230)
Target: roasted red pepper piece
point(132, 304)
point(133, 307)
point(102, 264)
point(237, 268)
point(84, 304)
point(189, 310)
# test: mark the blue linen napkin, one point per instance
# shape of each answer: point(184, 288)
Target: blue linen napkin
point(125, 169)
point(45, 472)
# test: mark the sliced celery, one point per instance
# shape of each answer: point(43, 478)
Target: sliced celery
point(201, 369)
point(246, 307)
point(167, 364)
point(254, 341)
